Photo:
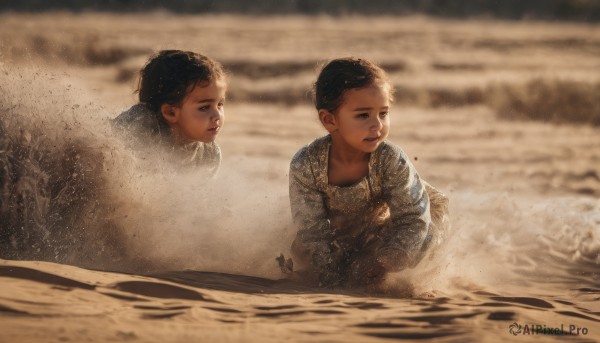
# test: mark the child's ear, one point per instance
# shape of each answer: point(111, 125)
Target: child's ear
point(170, 113)
point(328, 120)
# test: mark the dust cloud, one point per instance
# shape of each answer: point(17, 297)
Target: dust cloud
point(501, 243)
point(72, 192)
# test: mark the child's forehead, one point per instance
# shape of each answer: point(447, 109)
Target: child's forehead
point(219, 82)
point(208, 89)
point(376, 89)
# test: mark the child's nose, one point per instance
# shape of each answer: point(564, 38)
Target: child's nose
point(377, 124)
point(216, 115)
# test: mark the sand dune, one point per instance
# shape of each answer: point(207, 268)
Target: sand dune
point(137, 261)
point(43, 300)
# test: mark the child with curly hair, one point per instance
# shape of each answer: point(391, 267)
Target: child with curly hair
point(181, 108)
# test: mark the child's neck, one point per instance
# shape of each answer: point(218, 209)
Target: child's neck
point(179, 139)
point(347, 155)
point(346, 165)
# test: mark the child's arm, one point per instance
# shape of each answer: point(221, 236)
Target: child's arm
point(312, 243)
point(409, 210)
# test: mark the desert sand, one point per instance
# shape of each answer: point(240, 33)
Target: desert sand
point(174, 260)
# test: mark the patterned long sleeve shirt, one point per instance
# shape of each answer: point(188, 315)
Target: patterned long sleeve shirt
point(323, 213)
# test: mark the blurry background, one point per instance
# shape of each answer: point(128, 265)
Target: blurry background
point(585, 10)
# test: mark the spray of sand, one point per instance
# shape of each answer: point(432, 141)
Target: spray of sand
point(510, 243)
point(73, 193)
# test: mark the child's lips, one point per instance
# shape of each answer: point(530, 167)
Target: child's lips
point(372, 139)
point(214, 129)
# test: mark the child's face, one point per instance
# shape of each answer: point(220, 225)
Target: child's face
point(362, 121)
point(201, 114)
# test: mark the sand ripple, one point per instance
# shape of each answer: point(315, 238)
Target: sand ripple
point(191, 305)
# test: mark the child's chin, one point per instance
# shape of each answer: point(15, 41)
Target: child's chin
point(370, 149)
point(371, 146)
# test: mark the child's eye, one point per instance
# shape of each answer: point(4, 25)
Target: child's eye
point(362, 116)
point(383, 114)
point(204, 108)
point(221, 104)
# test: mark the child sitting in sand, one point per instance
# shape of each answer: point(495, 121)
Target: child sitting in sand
point(181, 108)
point(360, 207)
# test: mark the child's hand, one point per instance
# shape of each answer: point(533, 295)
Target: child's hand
point(366, 272)
point(287, 266)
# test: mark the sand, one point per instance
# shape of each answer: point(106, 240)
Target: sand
point(198, 263)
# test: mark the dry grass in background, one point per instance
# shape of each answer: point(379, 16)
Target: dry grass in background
point(557, 101)
point(520, 70)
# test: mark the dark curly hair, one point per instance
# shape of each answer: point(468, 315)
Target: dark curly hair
point(170, 75)
point(342, 74)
